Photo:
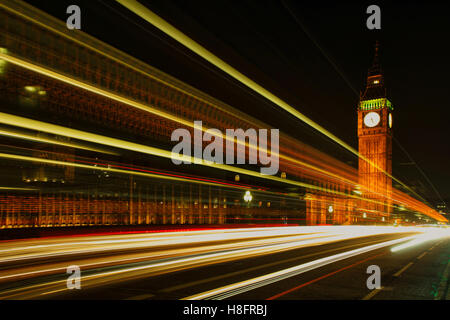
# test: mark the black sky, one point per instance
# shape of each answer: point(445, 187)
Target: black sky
point(314, 55)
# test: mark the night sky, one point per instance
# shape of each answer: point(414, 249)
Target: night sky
point(314, 55)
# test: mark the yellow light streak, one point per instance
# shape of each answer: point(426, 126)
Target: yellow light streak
point(143, 107)
point(115, 55)
point(91, 88)
point(60, 29)
point(91, 137)
point(29, 13)
point(136, 173)
point(189, 43)
point(154, 151)
point(11, 133)
point(17, 188)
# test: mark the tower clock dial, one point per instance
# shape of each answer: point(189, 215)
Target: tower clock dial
point(390, 120)
point(371, 119)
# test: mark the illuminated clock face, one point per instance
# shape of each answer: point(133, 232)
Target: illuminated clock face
point(390, 120)
point(372, 119)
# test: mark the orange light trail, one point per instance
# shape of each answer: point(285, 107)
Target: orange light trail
point(149, 16)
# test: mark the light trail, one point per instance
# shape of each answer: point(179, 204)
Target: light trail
point(254, 283)
point(179, 178)
point(159, 152)
point(122, 144)
point(138, 173)
point(186, 177)
point(91, 88)
point(132, 168)
point(205, 248)
point(18, 188)
point(5, 56)
point(436, 234)
point(15, 134)
point(124, 242)
point(146, 14)
point(59, 28)
point(146, 108)
point(190, 255)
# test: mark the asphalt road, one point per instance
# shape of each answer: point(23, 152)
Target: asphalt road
point(276, 264)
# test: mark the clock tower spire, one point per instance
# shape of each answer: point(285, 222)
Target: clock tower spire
point(375, 145)
point(375, 87)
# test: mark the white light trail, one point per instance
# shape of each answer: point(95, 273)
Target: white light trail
point(247, 285)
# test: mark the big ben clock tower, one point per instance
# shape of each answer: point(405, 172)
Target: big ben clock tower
point(375, 144)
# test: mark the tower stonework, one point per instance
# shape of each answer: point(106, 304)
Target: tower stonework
point(375, 122)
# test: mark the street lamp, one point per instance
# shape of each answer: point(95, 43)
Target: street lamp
point(248, 196)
